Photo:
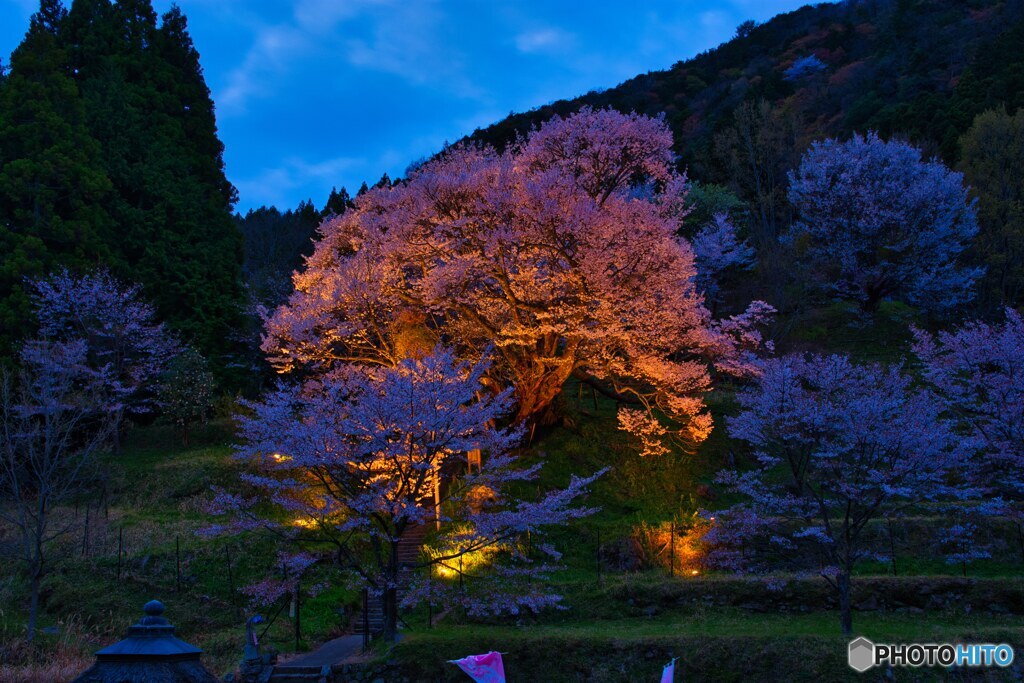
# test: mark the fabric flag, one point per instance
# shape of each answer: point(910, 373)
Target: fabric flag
point(669, 672)
point(483, 668)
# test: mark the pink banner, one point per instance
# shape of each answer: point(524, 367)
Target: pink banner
point(483, 668)
point(668, 674)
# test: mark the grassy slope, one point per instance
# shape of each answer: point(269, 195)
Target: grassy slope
point(156, 489)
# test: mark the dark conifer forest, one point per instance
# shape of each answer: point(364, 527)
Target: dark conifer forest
point(110, 156)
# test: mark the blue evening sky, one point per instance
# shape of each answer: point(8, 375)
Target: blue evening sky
point(312, 94)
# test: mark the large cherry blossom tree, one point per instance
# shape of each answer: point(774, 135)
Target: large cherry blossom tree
point(876, 221)
point(837, 445)
point(351, 461)
point(560, 253)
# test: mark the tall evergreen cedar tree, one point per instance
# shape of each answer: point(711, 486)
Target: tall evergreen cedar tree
point(118, 99)
point(53, 187)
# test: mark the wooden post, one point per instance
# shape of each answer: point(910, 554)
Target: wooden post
point(120, 546)
point(298, 612)
point(529, 553)
point(231, 576)
point(366, 615)
point(437, 496)
point(892, 546)
point(672, 549)
point(85, 534)
point(593, 393)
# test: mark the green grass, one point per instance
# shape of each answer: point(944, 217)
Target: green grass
point(156, 490)
point(717, 645)
point(840, 327)
point(724, 622)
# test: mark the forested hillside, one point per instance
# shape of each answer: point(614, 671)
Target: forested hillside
point(109, 151)
point(922, 70)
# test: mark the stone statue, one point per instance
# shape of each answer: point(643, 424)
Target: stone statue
point(256, 667)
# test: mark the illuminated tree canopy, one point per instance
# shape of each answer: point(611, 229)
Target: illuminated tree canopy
point(560, 252)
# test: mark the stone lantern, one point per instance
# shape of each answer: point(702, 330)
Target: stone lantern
point(150, 653)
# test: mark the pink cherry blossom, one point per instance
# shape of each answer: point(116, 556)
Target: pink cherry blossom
point(836, 444)
point(560, 253)
point(352, 460)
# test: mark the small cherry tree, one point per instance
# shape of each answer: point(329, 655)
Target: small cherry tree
point(186, 391)
point(718, 249)
point(978, 372)
point(122, 337)
point(560, 253)
point(355, 458)
point(878, 221)
point(837, 445)
point(54, 418)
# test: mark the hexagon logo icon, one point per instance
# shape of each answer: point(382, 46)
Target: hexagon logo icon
point(861, 654)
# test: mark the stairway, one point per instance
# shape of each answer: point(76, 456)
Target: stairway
point(320, 665)
point(409, 545)
point(411, 542)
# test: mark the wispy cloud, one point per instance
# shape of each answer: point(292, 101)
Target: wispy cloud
point(315, 93)
point(270, 55)
point(276, 185)
point(315, 15)
point(399, 38)
point(277, 47)
point(407, 40)
point(543, 40)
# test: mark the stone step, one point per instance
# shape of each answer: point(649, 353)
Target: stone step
point(408, 552)
point(302, 674)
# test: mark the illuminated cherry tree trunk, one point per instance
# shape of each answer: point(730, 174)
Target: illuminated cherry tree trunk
point(560, 253)
point(350, 461)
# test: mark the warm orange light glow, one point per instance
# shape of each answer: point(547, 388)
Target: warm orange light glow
point(468, 562)
point(479, 497)
point(279, 457)
point(678, 546)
